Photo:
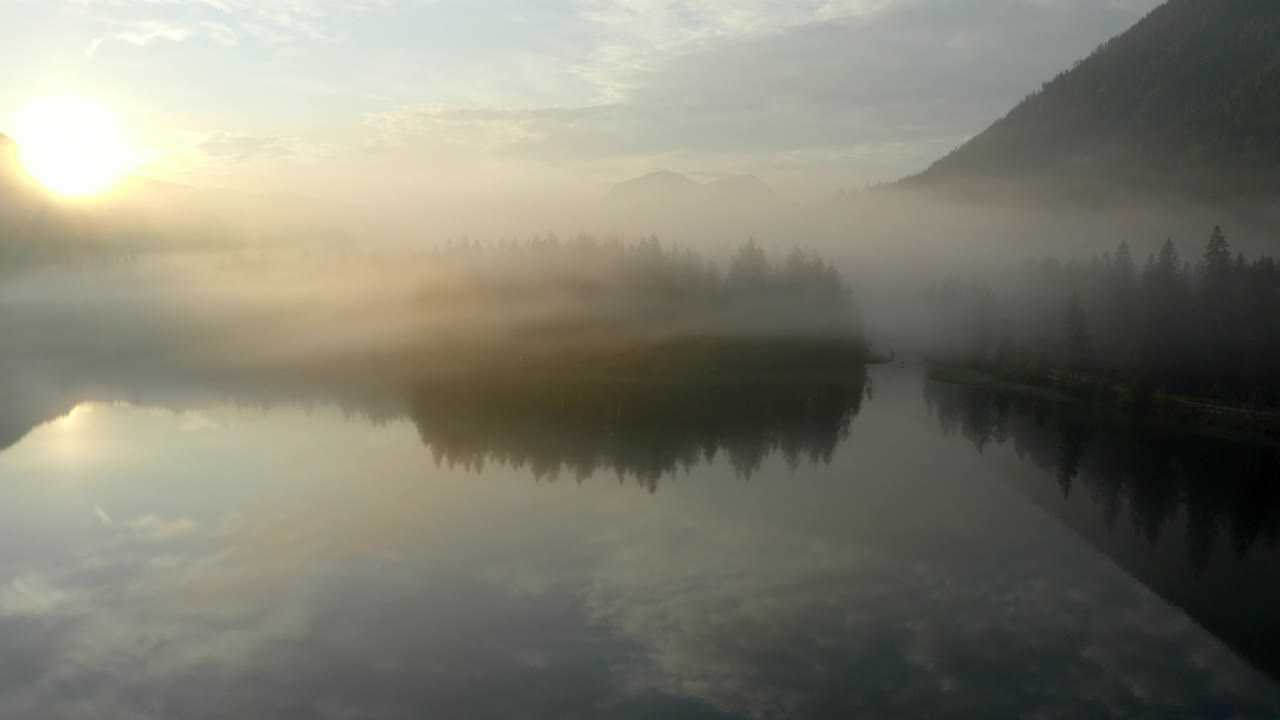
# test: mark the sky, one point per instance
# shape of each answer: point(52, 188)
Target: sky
point(813, 96)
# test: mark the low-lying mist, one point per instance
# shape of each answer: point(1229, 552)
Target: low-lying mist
point(396, 316)
point(221, 279)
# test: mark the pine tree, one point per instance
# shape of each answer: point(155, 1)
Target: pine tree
point(1168, 265)
point(1217, 257)
point(1077, 330)
point(1124, 270)
point(1126, 313)
point(750, 266)
point(1219, 351)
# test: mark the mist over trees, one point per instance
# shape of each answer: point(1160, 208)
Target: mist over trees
point(615, 306)
point(576, 306)
point(1201, 325)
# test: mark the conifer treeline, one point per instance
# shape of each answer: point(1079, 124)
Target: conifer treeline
point(619, 278)
point(1205, 326)
point(643, 306)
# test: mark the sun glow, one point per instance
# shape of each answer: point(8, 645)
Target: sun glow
point(72, 418)
point(72, 145)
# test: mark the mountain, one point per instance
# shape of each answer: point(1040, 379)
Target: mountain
point(1188, 99)
point(664, 186)
point(670, 188)
point(744, 188)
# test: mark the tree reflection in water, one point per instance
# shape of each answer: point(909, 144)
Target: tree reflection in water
point(642, 430)
point(1196, 519)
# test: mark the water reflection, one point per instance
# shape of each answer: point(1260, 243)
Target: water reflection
point(638, 430)
point(272, 548)
point(641, 431)
point(1196, 519)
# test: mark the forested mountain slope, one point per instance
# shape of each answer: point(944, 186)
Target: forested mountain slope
point(1186, 100)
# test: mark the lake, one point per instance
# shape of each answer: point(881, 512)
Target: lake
point(178, 547)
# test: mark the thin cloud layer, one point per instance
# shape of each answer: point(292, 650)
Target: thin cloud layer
point(818, 94)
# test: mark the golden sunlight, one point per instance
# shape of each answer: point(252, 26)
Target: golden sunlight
point(71, 144)
point(70, 420)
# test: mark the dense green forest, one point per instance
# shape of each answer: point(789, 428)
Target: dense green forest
point(1189, 98)
point(1204, 327)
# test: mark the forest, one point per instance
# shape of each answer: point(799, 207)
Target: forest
point(600, 307)
point(546, 306)
point(1200, 328)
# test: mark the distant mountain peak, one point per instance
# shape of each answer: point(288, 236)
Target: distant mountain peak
point(667, 176)
point(661, 185)
point(668, 186)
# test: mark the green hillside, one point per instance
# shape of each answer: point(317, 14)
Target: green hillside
point(1187, 99)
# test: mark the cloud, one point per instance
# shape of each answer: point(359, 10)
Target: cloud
point(29, 595)
point(859, 90)
point(877, 87)
point(792, 627)
point(246, 147)
point(159, 529)
point(183, 155)
point(229, 22)
point(760, 601)
point(149, 31)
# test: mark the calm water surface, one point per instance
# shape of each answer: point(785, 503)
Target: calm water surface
point(923, 551)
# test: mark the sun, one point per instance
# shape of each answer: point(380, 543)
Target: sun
point(72, 145)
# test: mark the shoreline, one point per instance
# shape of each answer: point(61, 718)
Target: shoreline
point(1111, 407)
